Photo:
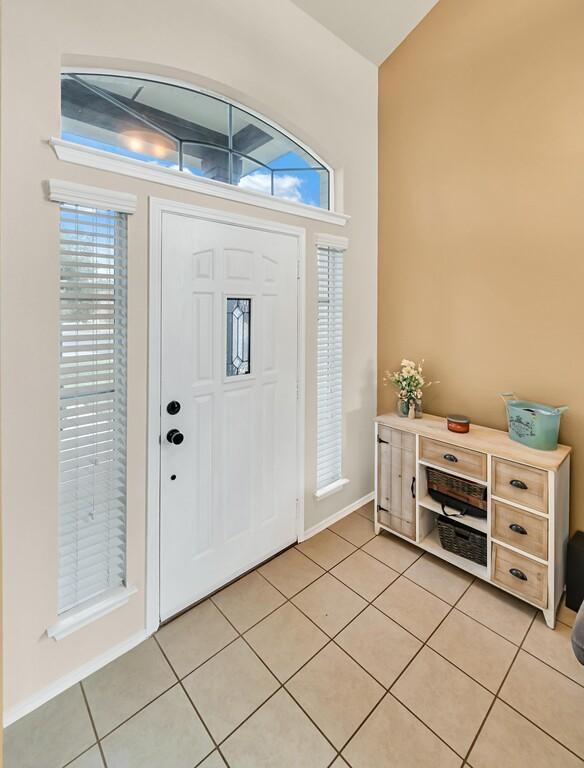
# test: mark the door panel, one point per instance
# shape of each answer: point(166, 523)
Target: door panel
point(232, 501)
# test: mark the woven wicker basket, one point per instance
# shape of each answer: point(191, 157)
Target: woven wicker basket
point(463, 541)
point(464, 490)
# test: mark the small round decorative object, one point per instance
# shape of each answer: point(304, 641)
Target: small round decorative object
point(458, 423)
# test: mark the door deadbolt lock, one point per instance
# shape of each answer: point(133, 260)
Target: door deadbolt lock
point(175, 436)
point(173, 407)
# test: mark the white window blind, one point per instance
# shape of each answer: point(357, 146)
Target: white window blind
point(92, 415)
point(329, 366)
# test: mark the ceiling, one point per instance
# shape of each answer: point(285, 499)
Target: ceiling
point(374, 28)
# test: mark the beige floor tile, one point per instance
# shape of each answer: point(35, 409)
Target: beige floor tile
point(364, 574)
point(554, 647)
point(412, 607)
point(442, 579)
point(165, 733)
point(355, 528)
point(50, 736)
point(565, 615)
point(392, 551)
point(89, 759)
point(194, 637)
point(291, 572)
point(229, 687)
point(285, 640)
point(120, 689)
point(329, 604)
point(444, 698)
point(378, 644)
point(335, 693)
point(366, 510)
point(497, 610)
point(508, 740)
point(213, 761)
point(278, 735)
point(248, 600)
point(326, 548)
point(548, 699)
point(393, 737)
point(476, 650)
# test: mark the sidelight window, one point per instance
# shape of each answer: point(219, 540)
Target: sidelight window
point(329, 364)
point(92, 403)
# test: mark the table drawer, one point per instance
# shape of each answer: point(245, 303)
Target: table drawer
point(519, 574)
point(520, 483)
point(470, 463)
point(523, 530)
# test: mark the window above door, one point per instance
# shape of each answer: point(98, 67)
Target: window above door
point(168, 126)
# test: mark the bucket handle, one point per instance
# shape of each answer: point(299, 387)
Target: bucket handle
point(508, 396)
point(561, 408)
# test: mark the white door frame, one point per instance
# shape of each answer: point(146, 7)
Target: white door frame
point(158, 207)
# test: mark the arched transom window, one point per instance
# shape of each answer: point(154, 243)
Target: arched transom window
point(177, 127)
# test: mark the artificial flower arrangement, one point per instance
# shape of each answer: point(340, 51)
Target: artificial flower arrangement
point(409, 383)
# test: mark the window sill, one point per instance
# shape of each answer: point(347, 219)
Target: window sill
point(328, 490)
point(127, 166)
point(79, 617)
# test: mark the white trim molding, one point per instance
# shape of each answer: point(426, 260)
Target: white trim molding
point(336, 516)
point(84, 614)
point(324, 240)
point(328, 490)
point(63, 683)
point(92, 197)
point(127, 166)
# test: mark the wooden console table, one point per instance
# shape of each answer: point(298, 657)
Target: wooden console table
point(527, 501)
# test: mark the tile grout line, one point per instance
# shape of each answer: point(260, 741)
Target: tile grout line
point(192, 703)
point(496, 697)
point(98, 740)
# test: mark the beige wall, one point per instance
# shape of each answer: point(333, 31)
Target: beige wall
point(265, 53)
point(481, 215)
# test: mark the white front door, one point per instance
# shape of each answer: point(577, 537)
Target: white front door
point(229, 353)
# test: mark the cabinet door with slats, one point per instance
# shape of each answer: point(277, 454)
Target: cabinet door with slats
point(396, 461)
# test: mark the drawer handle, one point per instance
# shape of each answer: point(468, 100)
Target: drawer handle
point(518, 574)
point(413, 488)
point(516, 528)
point(518, 484)
point(450, 457)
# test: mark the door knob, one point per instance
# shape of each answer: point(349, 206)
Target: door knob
point(175, 436)
point(173, 407)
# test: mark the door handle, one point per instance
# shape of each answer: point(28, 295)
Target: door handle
point(413, 487)
point(450, 457)
point(175, 436)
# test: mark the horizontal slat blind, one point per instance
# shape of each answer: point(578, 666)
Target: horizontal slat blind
point(329, 361)
point(92, 415)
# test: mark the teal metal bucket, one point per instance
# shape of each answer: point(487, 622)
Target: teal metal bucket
point(533, 424)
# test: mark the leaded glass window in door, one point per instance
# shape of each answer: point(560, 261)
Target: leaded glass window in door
point(238, 336)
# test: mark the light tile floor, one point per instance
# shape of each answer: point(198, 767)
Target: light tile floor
point(347, 650)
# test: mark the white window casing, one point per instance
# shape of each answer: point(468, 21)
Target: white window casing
point(92, 403)
point(329, 364)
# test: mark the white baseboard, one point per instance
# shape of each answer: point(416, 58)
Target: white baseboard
point(46, 694)
point(337, 516)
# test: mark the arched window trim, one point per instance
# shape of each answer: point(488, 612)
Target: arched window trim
point(88, 156)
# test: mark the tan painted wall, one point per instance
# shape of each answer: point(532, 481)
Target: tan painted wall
point(265, 53)
point(481, 216)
